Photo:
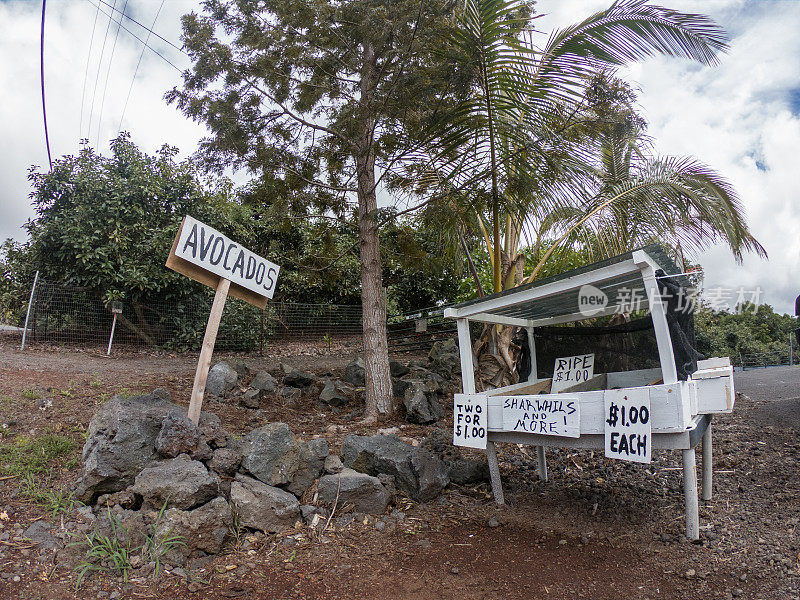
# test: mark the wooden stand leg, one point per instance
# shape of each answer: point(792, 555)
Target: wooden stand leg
point(494, 473)
point(204, 362)
point(690, 495)
point(542, 463)
point(708, 465)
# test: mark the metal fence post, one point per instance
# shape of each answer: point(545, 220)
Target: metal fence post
point(28, 314)
point(116, 309)
point(111, 337)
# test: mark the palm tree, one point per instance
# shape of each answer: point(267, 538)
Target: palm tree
point(507, 146)
point(676, 201)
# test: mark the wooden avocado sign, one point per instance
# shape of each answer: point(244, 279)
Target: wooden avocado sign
point(211, 258)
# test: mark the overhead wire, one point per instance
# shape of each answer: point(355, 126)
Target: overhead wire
point(136, 71)
point(99, 66)
point(41, 76)
point(145, 43)
point(108, 75)
point(86, 73)
point(163, 39)
point(164, 58)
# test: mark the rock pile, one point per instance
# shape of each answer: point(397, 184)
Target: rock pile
point(143, 457)
point(420, 385)
point(227, 380)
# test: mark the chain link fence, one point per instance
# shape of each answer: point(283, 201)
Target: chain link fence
point(766, 359)
point(67, 315)
point(417, 332)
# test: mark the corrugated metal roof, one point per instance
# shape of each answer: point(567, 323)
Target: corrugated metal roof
point(621, 290)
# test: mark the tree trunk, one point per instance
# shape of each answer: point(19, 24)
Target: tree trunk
point(378, 396)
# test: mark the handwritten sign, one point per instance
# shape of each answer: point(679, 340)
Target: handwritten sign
point(545, 414)
point(204, 254)
point(470, 419)
point(627, 426)
point(210, 250)
point(571, 370)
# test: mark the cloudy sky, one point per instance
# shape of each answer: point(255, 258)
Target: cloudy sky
point(742, 117)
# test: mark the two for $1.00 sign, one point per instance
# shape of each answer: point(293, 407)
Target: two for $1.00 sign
point(470, 420)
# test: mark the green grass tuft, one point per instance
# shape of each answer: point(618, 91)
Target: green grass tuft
point(54, 501)
point(26, 455)
point(110, 553)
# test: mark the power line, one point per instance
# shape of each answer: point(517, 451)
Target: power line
point(163, 39)
point(86, 73)
point(144, 46)
point(41, 73)
point(99, 66)
point(164, 58)
point(108, 74)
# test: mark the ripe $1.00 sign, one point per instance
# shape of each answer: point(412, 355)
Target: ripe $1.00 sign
point(628, 434)
point(206, 255)
point(570, 370)
point(470, 419)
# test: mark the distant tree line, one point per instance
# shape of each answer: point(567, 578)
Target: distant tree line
point(750, 330)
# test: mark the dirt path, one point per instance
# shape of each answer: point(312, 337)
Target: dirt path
point(599, 529)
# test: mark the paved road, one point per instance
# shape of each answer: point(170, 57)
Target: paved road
point(776, 394)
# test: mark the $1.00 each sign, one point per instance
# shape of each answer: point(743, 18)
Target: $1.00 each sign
point(628, 433)
point(570, 370)
point(470, 420)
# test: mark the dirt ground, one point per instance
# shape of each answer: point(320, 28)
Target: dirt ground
point(598, 529)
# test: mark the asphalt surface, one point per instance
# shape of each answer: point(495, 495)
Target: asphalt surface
point(776, 394)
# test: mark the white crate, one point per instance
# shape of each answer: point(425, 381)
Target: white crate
point(714, 389)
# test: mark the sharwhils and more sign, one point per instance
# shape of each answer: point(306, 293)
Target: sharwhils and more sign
point(545, 414)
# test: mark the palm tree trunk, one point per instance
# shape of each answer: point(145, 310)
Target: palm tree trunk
point(496, 268)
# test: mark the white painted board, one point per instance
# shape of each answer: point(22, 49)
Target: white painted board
point(628, 434)
point(714, 362)
point(670, 407)
point(470, 420)
point(545, 414)
point(207, 248)
point(570, 370)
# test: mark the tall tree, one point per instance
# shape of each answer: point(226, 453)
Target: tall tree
point(310, 94)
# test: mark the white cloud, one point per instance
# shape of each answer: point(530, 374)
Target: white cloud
point(68, 30)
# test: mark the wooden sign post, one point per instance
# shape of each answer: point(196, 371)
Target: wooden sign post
point(207, 256)
point(209, 339)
